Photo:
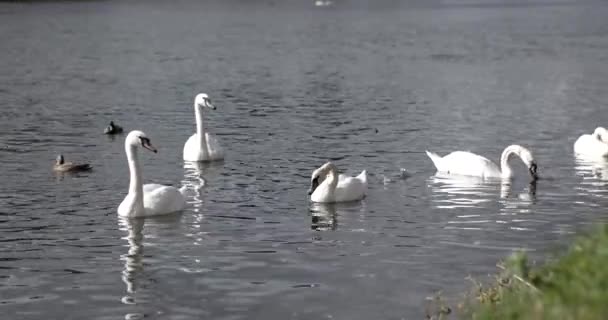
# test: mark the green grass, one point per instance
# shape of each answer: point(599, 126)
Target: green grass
point(571, 286)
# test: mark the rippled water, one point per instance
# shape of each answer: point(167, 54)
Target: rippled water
point(367, 86)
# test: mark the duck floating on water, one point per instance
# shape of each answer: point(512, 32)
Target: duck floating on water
point(112, 129)
point(62, 166)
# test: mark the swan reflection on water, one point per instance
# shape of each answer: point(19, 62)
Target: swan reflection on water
point(134, 256)
point(450, 191)
point(323, 216)
point(453, 191)
point(133, 274)
point(528, 196)
point(195, 181)
point(594, 174)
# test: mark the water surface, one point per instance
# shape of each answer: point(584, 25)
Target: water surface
point(367, 86)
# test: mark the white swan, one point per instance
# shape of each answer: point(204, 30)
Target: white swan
point(593, 145)
point(150, 199)
point(334, 188)
point(202, 146)
point(470, 164)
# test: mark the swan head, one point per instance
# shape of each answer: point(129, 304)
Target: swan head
point(320, 174)
point(528, 159)
point(202, 100)
point(138, 138)
point(601, 133)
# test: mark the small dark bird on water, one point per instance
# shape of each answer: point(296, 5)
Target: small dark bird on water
point(112, 129)
point(62, 166)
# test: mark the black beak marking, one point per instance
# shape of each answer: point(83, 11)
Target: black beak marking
point(313, 185)
point(145, 142)
point(533, 170)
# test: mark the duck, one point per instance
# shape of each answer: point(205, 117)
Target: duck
point(326, 186)
point(112, 129)
point(202, 146)
point(62, 166)
point(593, 145)
point(470, 164)
point(144, 200)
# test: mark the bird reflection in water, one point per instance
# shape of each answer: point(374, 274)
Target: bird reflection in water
point(134, 257)
point(323, 216)
point(592, 168)
point(529, 196)
point(195, 181)
point(594, 172)
point(133, 274)
point(452, 191)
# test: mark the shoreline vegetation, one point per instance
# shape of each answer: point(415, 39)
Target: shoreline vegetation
point(573, 285)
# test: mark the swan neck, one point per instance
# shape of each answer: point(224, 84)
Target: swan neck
point(135, 183)
point(200, 129)
point(332, 178)
point(505, 168)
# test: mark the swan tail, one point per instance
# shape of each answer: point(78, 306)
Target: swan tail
point(183, 190)
point(363, 176)
point(435, 158)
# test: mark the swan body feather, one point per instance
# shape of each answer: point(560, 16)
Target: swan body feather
point(470, 164)
point(337, 188)
point(202, 146)
point(593, 145)
point(149, 199)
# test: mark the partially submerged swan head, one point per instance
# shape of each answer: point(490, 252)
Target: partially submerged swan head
point(525, 155)
point(202, 100)
point(138, 138)
point(319, 175)
point(528, 159)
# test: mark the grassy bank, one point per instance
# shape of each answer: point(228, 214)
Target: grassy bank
point(571, 286)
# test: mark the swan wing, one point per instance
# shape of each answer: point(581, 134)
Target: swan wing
point(216, 152)
point(469, 164)
point(160, 199)
point(192, 151)
point(351, 188)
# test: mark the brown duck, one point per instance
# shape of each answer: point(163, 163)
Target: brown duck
point(62, 166)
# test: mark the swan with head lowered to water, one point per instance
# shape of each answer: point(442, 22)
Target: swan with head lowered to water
point(149, 199)
point(470, 164)
point(326, 186)
point(593, 145)
point(202, 146)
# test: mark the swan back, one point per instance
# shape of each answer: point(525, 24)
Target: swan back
point(465, 163)
point(593, 145)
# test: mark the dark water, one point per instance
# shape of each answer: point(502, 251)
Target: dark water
point(295, 85)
